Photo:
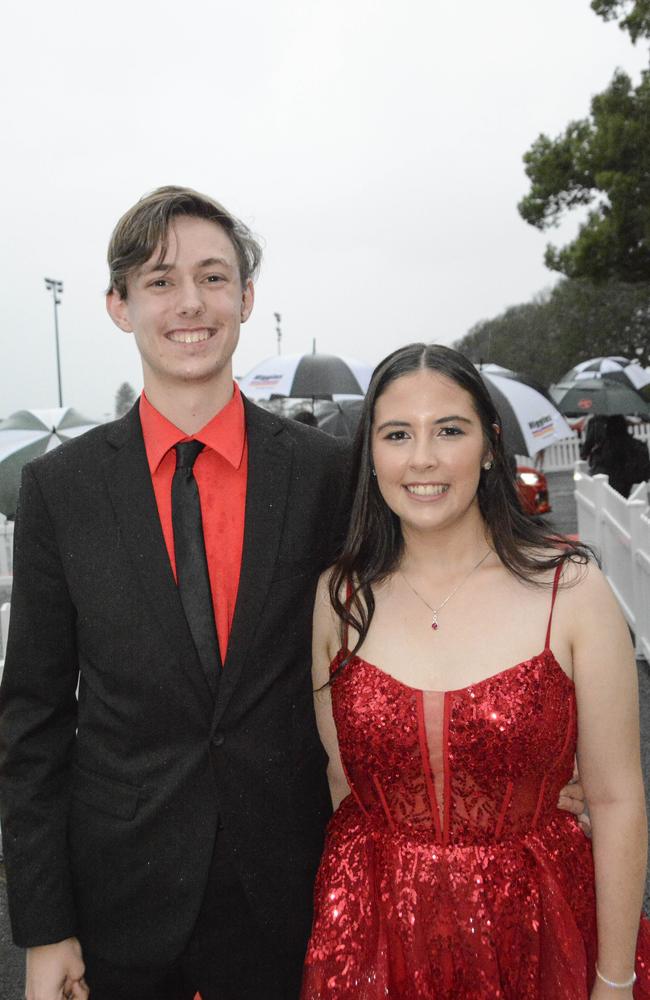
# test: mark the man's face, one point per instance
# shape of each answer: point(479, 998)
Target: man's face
point(185, 312)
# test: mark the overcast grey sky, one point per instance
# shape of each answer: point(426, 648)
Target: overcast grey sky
point(375, 146)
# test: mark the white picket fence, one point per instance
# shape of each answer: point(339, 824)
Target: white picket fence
point(563, 456)
point(619, 530)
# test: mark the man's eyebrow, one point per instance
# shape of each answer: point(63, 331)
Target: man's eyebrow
point(161, 267)
point(218, 261)
point(440, 420)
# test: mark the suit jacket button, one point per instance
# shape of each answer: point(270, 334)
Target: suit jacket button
point(218, 739)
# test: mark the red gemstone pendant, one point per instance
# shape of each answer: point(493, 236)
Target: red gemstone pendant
point(434, 624)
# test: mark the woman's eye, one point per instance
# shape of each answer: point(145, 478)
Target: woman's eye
point(450, 431)
point(396, 436)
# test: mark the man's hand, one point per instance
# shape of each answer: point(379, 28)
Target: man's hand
point(56, 972)
point(572, 798)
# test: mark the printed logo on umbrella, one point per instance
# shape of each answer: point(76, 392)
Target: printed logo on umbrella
point(264, 381)
point(541, 427)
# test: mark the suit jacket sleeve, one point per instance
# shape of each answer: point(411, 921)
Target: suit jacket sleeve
point(37, 729)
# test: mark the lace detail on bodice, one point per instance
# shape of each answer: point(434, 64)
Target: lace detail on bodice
point(471, 766)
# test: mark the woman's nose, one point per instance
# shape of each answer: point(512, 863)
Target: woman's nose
point(423, 455)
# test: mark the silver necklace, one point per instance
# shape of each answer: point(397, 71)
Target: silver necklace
point(436, 611)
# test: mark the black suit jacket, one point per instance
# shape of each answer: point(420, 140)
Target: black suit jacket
point(110, 801)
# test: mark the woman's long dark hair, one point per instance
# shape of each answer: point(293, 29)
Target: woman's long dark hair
point(374, 542)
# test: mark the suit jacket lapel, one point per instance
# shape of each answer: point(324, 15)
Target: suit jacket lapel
point(269, 467)
point(131, 491)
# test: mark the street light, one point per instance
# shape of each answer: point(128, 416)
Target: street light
point(56, 287)
point(278, 331)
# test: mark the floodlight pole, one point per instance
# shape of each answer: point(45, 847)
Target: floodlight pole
point(56, 287)
point(278, 331)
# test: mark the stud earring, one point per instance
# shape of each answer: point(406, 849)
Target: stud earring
point(374, 474)
point(487, 466)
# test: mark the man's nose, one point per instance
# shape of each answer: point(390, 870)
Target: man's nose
point(190, 301)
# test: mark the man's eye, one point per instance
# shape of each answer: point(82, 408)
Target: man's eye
point(159, 283)
point(214, 278)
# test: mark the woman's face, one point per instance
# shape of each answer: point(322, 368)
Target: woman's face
point(427, 447)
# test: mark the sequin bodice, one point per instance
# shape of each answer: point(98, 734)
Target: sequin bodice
point(471, 766)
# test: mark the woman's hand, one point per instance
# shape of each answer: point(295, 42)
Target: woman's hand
point(572, 799)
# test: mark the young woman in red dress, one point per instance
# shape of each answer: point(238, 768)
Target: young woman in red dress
point(461, 660)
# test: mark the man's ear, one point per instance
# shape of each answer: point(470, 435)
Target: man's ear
point(247, 300)
point(118, 310)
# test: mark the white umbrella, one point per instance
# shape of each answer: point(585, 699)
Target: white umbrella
point(26, 435)
point(531, 422)
point(306, 376)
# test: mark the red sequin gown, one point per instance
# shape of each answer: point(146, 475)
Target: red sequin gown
point(448, 872)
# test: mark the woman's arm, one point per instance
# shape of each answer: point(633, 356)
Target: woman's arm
point(324, 645)
point(610, 768)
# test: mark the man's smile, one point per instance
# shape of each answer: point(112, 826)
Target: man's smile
point(193, 335)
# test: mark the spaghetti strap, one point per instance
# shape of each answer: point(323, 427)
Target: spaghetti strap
point(556, 583)
point(348, 601)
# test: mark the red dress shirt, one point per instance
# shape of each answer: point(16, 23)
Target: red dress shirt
point(221, 471)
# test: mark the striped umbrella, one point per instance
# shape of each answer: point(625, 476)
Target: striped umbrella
point(26, 435)
point(306, 376)
point(616, 369)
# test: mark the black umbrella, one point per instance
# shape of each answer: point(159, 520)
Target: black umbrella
point(602, 396)
point(340, 419)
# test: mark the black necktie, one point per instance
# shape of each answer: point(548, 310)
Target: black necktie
point(191, 562)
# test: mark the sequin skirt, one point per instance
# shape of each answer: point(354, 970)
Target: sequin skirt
point(399, 917)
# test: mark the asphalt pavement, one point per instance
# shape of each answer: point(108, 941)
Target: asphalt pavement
point(564, 520)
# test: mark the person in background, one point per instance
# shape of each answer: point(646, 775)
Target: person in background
point(594, 433)
point(619, 455)
point(306, 417)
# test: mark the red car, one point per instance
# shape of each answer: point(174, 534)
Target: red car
point(533, 490)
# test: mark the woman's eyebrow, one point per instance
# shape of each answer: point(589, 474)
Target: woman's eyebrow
point(440, 420)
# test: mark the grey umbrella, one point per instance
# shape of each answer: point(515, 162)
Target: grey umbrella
point(602, 396)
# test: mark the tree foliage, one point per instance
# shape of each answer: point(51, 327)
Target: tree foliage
point(634, 15)
point(601, 162)
point(124, 399)
point(574, 321)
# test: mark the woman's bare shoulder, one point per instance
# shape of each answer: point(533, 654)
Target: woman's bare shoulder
point(589, 601)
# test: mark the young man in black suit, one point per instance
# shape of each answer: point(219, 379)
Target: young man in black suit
point(163, 824)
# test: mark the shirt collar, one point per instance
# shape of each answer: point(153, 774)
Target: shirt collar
point(225, 433)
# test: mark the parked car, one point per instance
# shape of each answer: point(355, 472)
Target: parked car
point(533, 490)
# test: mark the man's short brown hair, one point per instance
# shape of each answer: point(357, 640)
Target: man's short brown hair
point(145, 227)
